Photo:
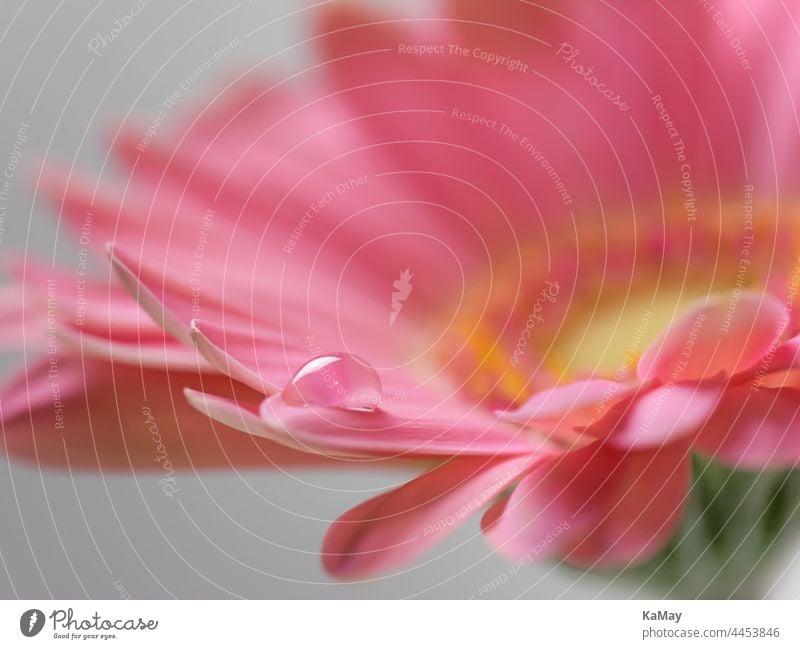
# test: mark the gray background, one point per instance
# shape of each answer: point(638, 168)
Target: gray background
point(252, 534)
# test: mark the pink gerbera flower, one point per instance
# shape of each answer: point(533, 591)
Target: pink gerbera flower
point(481, 244)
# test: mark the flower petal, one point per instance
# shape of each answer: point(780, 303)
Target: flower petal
point(339, 318)
point(259, 361)
point(241, 417)
point(394, 528)
point(577, 403)
point(76, 414)
point(595, 506)
point(786, 357)
point(167, 316)
point(719, 337)
point(411, 428)
point(159, 352)
point(755, 429)
point(658, 416)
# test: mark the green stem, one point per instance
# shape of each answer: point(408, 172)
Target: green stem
point(735, 520)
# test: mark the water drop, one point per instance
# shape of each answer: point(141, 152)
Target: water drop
point(335, 381)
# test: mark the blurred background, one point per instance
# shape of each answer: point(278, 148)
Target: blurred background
point(71, 73)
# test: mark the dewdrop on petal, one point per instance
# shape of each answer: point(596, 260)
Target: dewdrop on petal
point(335, 381)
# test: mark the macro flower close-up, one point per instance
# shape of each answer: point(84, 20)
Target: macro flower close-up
point(509, 290)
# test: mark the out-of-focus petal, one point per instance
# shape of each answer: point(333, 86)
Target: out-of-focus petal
point(755, 429)
point(658, 416)
point(718, 337)
point(94, 416)
point(395, 528)
point(147, 351)
point(596, 506)
point(577, 403)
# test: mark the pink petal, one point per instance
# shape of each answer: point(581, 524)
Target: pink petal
point(169, 317)
point(755, 429)
point(116, 215)
point(424, 429)
point(683, 58)
point(270, 309)
point(95, 416)
point(658, 416)
point(394, 528)
point(786, 357)
point(416, 429)
point(158, 352)
point(720, 337)
point(99, 305)
point(15, 312)
point(596, 506)
point(411, 102)
point(243, 418)
point(771, 137)
point(265, 360)
point(261, 362)
point(577, 403)
point(264, 165)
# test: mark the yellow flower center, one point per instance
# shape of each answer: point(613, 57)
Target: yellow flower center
point(592, 303)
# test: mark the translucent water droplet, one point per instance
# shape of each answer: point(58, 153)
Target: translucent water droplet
point(335, 381)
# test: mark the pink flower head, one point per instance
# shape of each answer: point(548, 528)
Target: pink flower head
point(472, 247)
